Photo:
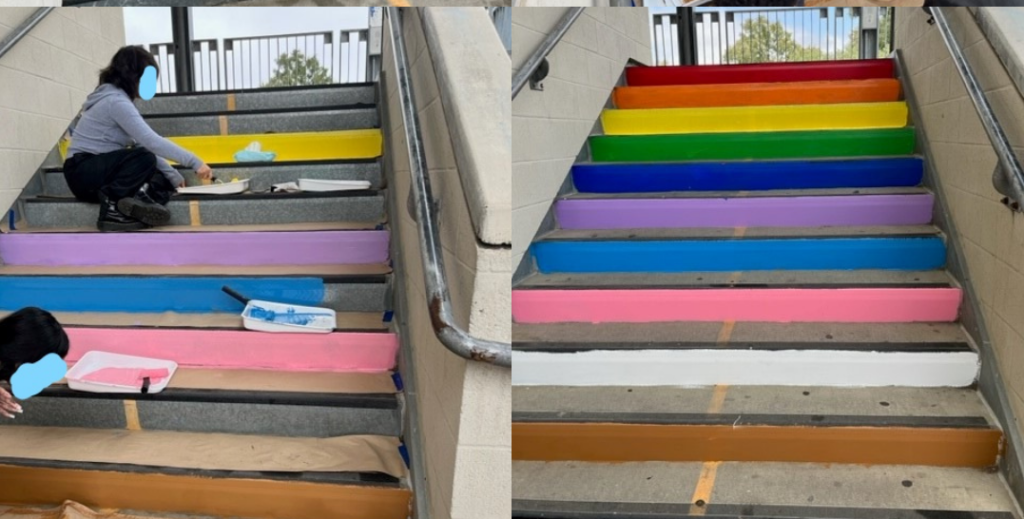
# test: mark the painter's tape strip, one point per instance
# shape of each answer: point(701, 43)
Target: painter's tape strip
point(705, 485)
point(131, 416)
point(193, 213)
point(223, 120)
point(231, 102)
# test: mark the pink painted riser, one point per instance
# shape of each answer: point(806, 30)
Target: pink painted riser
point(336, 352)
point(766, 305)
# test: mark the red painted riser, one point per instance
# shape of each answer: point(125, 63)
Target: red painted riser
point(761, 73)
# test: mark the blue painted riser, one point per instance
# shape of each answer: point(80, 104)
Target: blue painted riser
point(739, 255)
point(127, 294)
point(747, 176)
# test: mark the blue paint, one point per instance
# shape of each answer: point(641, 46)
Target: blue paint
point(10, 218)
point(739, 255)
point(160, 294)
point(747, 176)
point(389, 315)
point(289, 316)
point(404, 451)
point(396, 377)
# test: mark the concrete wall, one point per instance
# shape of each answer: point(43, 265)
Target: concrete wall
point(991, 236)
point(44, 80)
point(549, 127)
point(465, 407)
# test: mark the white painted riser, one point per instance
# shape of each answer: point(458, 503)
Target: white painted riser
point(746, 367)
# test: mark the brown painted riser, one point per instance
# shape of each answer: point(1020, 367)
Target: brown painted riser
point(606, 442)
point(263, 499)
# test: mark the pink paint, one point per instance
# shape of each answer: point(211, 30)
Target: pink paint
point(130, 377)
point(852, 305)
point(336, 352)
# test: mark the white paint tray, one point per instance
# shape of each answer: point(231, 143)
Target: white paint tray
point(95, 360)
point(288, 318)
point(309, 184)
point(228, 188)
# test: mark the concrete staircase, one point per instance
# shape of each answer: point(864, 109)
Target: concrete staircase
point(741, 309)
point(253, 424)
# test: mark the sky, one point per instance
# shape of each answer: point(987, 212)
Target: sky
point(146, 25)
point(807, 26)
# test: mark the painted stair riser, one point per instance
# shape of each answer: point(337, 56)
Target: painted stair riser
point(237, 211)
point(750, 145)
point(283, 122)
point(210, 417)
point(758, 94)
point(745, 368)
point(346, 144)
point(261, 178)
point(948, 447)
point(740, 255)
point(840, 305)
point(747, 176)
point(808, 211)
point(154, 294)
point(761, 73)
point(334, 352)
point(754, 119)
point(223, 248)
point(259, 100)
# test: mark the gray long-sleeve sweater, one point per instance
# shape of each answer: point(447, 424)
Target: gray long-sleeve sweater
point(111, 122)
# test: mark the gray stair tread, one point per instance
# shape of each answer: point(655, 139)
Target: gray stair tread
point(327, 271)
point(282, 121)
point(719, 233)
point(749, 400)
point(845, 191)
point(347, 321)
point(281, 381)
point(23, 227)
point(261, 99)
point(742, 332)
point(774, 484)
point(769, 278)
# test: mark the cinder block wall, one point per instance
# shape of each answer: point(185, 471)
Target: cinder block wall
point(549, 127)
point(465, 407)
point(43, 81)
point(991, 236)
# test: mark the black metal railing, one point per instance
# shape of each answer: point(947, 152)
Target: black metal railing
point(315, 58)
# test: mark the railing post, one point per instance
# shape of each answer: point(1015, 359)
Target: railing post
point(374, 44)
point(686, 22)
point(181, 28)
point(868, 32)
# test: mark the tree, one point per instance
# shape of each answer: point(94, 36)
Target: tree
point(296, 69)
point(763, 41)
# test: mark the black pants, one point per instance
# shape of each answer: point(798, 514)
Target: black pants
point(118, 174)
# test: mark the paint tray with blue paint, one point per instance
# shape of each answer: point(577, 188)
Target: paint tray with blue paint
point(268, 316)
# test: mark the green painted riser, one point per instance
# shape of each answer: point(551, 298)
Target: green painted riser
point(752, 145)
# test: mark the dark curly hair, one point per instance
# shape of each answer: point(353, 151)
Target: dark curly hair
point(27, 336)
point(126, 69)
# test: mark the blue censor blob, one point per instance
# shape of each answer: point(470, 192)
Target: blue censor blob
point(32, 378)
point(147, 85)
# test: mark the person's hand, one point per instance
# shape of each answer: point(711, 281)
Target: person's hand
point(7, 404)
point(182, 184)
point(204, 172)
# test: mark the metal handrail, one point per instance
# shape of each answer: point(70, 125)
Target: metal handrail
point(1008, 178)
point(545, 48)
point(20, 31)
point(457, 340)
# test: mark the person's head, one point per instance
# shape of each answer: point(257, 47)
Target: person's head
point(126, 68)
point(27, 336)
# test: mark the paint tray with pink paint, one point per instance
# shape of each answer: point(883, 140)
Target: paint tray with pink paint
point(102, 372)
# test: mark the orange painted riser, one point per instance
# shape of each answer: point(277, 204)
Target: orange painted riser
point(616, 442)
point(759, 94)
point(263, 499)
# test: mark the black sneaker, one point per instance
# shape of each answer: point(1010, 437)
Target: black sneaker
point(112, 220)
point(143, 208)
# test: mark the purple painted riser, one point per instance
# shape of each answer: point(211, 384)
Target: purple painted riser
point(807, 211)
point(200, 248)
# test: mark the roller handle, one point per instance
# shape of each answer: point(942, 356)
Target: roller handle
point(227, 290)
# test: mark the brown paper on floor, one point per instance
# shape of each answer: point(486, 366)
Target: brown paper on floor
point(205, 451)
point(68, 510)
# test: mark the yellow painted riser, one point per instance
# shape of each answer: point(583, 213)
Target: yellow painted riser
point(346, 144)
point(755, 118)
